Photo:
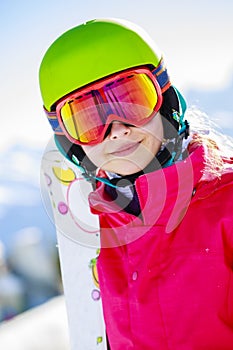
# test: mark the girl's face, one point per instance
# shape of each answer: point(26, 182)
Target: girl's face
point(127, 149)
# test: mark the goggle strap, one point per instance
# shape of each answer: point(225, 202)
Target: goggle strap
point(162, 76)
point(53, 121)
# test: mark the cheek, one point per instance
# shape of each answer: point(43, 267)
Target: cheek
point(154, 129)
point(153, 139)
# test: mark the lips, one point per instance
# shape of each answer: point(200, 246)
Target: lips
point(126, 149)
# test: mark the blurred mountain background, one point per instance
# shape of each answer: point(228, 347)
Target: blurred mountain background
point(29, 267)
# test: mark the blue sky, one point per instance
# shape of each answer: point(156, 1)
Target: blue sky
point(195, 37)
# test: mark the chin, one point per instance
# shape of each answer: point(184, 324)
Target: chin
point(124, 167)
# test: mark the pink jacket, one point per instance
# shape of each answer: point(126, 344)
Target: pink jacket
point(166, 278)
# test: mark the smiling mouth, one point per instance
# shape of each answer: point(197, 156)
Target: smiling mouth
point(126, 150)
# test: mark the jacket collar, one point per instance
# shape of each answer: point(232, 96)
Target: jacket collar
point(164, 195)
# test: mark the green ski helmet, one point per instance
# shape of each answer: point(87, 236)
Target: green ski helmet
point(91, 51)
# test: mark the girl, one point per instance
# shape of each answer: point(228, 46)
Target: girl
point(163, 197)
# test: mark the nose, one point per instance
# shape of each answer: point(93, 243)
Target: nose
point(118, 130)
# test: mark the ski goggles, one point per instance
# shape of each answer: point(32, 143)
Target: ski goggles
point(132, 97)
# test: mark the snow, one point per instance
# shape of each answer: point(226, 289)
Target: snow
point(44, 327)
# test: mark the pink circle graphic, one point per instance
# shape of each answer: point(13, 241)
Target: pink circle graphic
point(48, 179)
point(62, 208)
point(95, 294)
